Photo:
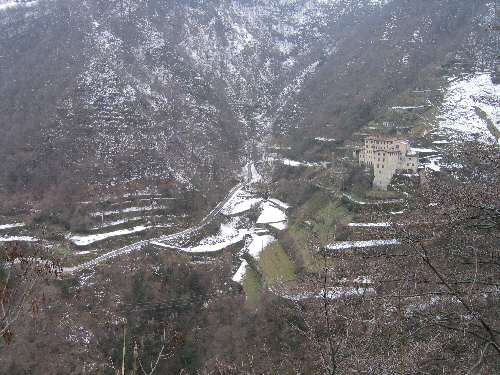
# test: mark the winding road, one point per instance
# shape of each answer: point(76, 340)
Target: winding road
point(168, 238)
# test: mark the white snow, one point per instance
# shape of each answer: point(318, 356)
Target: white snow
point(334, 293)
point(433, 164)
point(390, 201)
point(397, 212)
point(458, 117)
point(90, 239)
point(117, 222)
point(271, 214)
point(279, 203)
point(294, 163)
point(381, 225)
point(258, 243)
point(240, 203)
point(254, 246)
point(17, 239)
point(129, 209)
point(441, 142)
point(238, 276)
point(14, 4)
point(13, 225)
point(323, 139)
point(343, 245)
point(228, 234)
point(410, 107)
point(279, 226)
point(422, 150)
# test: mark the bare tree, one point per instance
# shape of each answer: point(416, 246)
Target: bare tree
point(453, 228)
point(22, 273)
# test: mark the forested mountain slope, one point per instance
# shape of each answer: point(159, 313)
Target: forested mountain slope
point(109, 92)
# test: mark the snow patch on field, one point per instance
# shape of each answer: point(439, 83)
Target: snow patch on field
point(254, 247)
point(17, 239)
point(345, 245)
point(258, 243)
point(280, 204)
point(90, 239)
point(295, 163)
point(240, 203)
point(130, 209)
point(334, 293)
point(117, 222)
point(422, 150)
point(279, 226)
point(13, 225)
point(378, 225)
point(325, 140)
point(14, 4)
point(228, 234)
point(271, 214)
point(240, 274)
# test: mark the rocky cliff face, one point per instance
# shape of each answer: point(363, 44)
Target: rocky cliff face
point(117, 91)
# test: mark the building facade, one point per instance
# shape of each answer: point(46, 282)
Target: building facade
point(387, 156)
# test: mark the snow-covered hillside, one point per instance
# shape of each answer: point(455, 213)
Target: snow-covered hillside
point(470, 108)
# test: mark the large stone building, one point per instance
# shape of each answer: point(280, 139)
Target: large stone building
point(387, 156)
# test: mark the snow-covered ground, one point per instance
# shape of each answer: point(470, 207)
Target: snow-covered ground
point(354, 200)
point(294, 163)
point(258, 243)
point(334, 293)
point(240, 274)
point(459, 119)
point(377, 225)
point(433, 163)
point(129, 209)
point(229, 234)
point(270, 213)
point(241, 203)
point(325, 140)
point(345, 245)
point(10, 226)
point(422, 150)
point(14, 4)
point(116, 222)
point(93, 238)
point(17, 239)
